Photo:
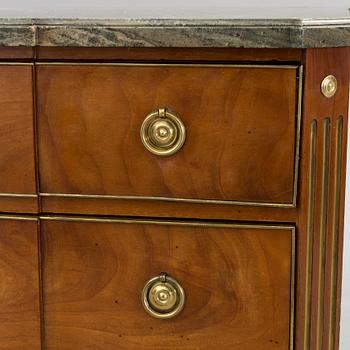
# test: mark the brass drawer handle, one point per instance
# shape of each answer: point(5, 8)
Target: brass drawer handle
point(163, 133)
point(163, 297)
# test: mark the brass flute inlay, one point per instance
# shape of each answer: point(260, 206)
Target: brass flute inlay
point(335, 231)
point(310, 232)
point(322, 233)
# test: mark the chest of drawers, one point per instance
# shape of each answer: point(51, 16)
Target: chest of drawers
point(171, 197)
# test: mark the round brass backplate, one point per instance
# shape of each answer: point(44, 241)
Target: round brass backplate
point(329, 86)
point(163, 133)
point(163, 297)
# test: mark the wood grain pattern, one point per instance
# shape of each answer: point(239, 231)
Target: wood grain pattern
point(19, 290)
point(86, 115)
point(17, 53)
point(165, 209)
point(28, 205)
point(168, 54)
point(241, 125)
point(321, 230)
point(237, 283)
point(17, 170)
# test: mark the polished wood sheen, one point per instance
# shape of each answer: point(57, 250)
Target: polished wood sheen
point(165, 209)
point(17, 169)
point(20, 53)
point(240, 122)
point(321, 201)
point(237, 282)
point(241, 146)
point(168, 54)
point(19, 285)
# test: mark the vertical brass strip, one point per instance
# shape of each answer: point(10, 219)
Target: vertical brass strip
point(298, 134)
point(36, 135)
point(310, 232)
point(335, 231)
point(292, 290)
point(41, 288)
point(322, 233)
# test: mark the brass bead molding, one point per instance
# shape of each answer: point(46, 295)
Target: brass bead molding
point(329, 86)
point(162, 133)
point(163, 297)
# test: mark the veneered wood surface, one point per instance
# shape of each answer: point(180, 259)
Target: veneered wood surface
point(19, 291)
point(9, 204)
point(237, 283)
point(17, 170)
point(168, 54)
point(17, 53)
point(240, 122)
point(317, 323)
point(165, 209)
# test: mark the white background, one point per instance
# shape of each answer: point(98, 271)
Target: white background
point(149, 8)
point(97, 8)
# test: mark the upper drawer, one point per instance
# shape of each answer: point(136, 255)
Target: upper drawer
point(241, 131)
point(17, 170)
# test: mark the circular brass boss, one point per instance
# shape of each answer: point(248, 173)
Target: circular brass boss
point(162, 133)
point(163, 297)
point(329, 86)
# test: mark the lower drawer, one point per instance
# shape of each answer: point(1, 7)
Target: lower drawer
point(19, 284)
point(237, 281)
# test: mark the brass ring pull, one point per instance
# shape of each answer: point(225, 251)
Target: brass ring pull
point(163, 297)
point(162, 133)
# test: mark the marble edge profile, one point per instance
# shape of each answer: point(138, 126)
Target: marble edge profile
point(257, 33)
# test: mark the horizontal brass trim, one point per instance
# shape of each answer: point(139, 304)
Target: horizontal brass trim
point(168, 199)
point(16, 63)
point(190, 65)
point(19, 195)
point(18, 217)
point(164, 222)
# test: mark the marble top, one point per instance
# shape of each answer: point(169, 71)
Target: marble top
point(94, 26)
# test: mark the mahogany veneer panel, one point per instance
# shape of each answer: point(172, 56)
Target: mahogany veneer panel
point(19, 291)
point(10, 204)
point(321, 201)
point(240, 121)
point(17, 169)
point(17, 53)
point(168, 54)
point(237, 282)
point(165, 209)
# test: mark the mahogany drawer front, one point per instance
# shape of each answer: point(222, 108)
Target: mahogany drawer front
point(19, 285)
point(17, 169)
point(238, 282)
point(241, 131)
